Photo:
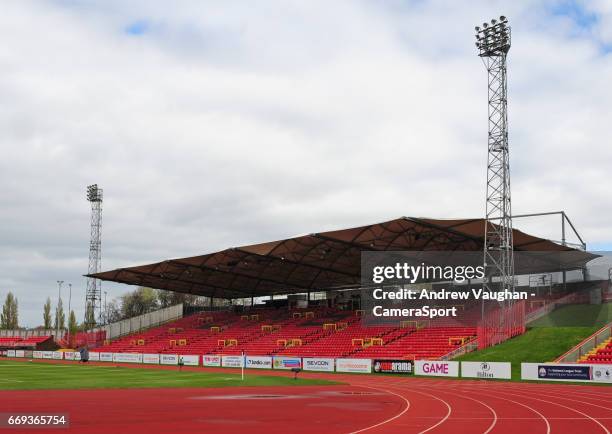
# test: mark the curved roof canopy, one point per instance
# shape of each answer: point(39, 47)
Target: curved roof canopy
point(318, 261)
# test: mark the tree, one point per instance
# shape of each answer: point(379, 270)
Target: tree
point(165, 298)
point(9, 318)
point(72, 323)
point(113, 311)
point(59, 314)
point(170, 298)
point(142, 300)
point(47, 314)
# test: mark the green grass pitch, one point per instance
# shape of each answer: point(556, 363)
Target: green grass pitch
point(19, 375)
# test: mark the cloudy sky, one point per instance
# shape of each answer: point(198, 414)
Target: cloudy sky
point(220, 123)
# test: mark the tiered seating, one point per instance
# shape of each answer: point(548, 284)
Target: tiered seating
point(600, 354)
point(236, 335)
point(17, 341)
point(428, 343)
point(158, 340)
point(273, 327)
point(33, 340)
point(8, 341)
point(340, 343)
point(325, 333)
point(296, 335)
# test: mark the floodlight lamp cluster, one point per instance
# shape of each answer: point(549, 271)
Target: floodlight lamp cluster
point(94, 194)
point(493, 39)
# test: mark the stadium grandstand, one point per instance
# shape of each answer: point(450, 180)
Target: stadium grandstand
point(31, 340)
point(298, 332)
point(329, 263)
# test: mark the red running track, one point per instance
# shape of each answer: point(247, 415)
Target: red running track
point(450, 406)
point(368, 404)
point(271, 410)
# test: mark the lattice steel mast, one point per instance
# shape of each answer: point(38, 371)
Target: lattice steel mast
point(93, 293)
point(493, 44)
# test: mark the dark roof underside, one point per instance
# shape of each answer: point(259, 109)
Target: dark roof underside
point(320, 261)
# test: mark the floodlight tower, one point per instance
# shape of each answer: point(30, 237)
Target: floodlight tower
point(493, 44)
point(93, 293)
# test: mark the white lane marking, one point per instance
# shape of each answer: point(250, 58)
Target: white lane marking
point(552, 395)
point(607, 397)
point(480, 402)
point(441, 421)
point(564, 388)
point(495, 417)
point(526, 395)
point(522, 405)
point(391, 418)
